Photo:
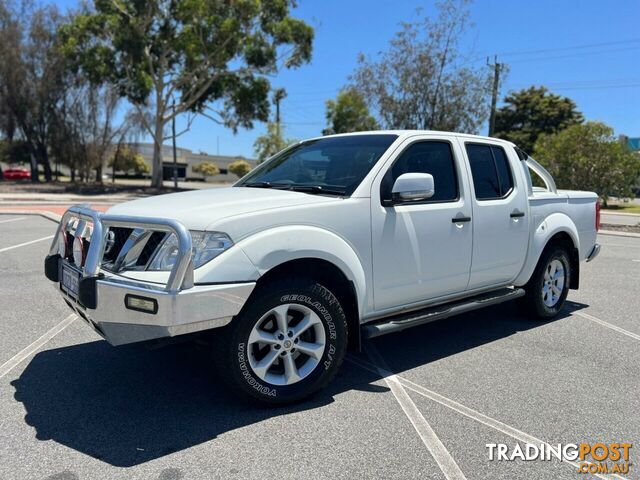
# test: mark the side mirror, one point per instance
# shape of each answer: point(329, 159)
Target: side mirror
point(413, 187)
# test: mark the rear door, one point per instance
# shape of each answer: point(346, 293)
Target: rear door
point(500, 209)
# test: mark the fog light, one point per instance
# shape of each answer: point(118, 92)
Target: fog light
point(141, 304)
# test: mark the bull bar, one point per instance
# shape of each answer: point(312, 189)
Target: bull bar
point(182, 307)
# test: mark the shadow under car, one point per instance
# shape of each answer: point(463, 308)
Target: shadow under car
point(128, 405)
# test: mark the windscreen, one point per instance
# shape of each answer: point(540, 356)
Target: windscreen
point(331, 165)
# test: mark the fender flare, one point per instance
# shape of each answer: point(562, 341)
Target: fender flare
point(275, 246)
point(546, 229)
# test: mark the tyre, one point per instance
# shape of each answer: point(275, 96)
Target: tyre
point(548, 287)
point(287, 342)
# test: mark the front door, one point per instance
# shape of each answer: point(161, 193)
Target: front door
point(500, 209)
point(421, 250)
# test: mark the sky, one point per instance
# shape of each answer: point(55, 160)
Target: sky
point(587, 50)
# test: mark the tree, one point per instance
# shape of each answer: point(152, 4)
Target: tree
point(7, 121)
point(203, 56)
point(348, 113)
point(31, 73)
point(207, 169)
point(126, 159)
point(588, 157)
point(271, 142)
point(421, 82)
point(14, 152)
point(531, 112)
point(239, 168)
point(129, 132)
point(91, 117)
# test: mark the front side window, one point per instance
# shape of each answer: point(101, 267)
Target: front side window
point(331, 165)
point(490, 169)
point(433, 157)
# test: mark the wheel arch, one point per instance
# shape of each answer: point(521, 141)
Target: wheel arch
point(328, 275)
point(312, 252)
point(562, 238)
point(556, 229)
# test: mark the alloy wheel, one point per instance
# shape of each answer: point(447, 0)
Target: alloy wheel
point(286, 344)
point(553, 283)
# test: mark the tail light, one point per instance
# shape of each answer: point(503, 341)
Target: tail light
point(597, 215)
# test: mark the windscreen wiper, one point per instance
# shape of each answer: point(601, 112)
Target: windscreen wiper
point(317, 189)
point(266, 185)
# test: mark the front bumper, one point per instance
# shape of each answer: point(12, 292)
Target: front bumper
point(181, 306)
point(201, 307)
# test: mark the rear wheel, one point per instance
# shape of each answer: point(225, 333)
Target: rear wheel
point(287, 342)
point(548, 287)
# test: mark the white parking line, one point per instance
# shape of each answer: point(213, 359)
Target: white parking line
point(479, 417)
point(635, 336)
point(439, 452)
point(458, 407)
point(29, 350)
point(12, 220)
point(26, 243)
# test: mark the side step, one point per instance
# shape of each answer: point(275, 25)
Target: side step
point(403, 321)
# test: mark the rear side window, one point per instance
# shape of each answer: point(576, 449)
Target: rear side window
point(492, 176)
point(432, 157)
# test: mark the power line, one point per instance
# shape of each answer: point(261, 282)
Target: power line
point(582, 54)
point(576, 47)
point(301, 113)
point(606, 81)
point(587, 84)
point(317, 92)
point(598, 87)
point(305, 123)
point(565, 49)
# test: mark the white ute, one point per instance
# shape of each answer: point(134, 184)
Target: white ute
point(333, 240)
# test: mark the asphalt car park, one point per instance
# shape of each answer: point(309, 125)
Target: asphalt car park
point(423, 403)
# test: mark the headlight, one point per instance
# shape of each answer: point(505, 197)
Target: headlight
point(205, 247)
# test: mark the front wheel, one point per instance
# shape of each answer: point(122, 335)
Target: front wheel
point(287, 343)
point(548, 287)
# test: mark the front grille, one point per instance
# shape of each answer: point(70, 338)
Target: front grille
point(115, 243)
point(154, 241)
point(115, 256)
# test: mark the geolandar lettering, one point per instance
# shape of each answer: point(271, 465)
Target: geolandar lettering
point(318, 306)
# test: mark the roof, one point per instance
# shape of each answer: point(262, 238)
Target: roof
point(415, 132)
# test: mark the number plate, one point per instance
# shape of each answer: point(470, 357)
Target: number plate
point(70, 279)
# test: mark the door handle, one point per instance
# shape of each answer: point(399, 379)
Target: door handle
point(461, 219)
point(516, 214)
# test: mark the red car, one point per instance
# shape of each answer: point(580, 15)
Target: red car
point(17, 173)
